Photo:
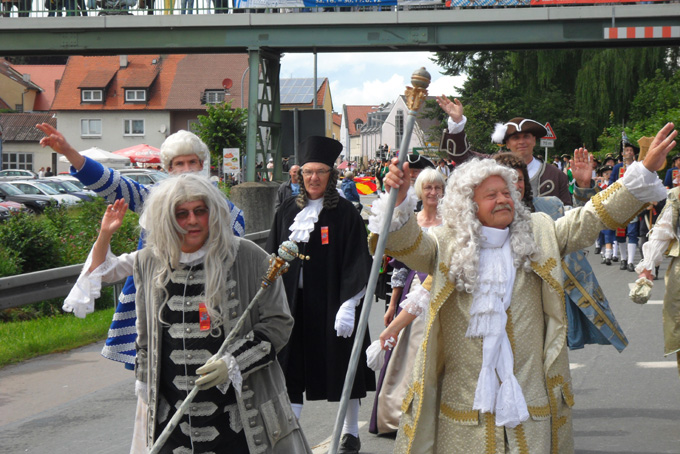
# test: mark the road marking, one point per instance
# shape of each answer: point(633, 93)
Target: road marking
point(657, 364)
point(322, 448)
point(655, 302)
point(573, 366)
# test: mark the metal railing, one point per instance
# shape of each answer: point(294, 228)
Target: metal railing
point(22, 289)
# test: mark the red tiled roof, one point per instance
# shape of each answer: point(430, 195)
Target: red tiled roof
point(46, 76)
point(337, 119)
point(176, 81)
point(199, 72)
point(7, 70)
point(97, 78)
point(21, 127)
point(354, 113)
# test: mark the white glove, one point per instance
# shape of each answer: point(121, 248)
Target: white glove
point(344, 319)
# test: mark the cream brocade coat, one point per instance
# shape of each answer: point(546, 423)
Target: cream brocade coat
point(437, 409)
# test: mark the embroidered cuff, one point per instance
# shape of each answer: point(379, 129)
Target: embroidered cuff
point(399, 278)
point(400, 215)
point(644, 184)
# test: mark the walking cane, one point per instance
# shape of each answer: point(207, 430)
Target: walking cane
point(414, 98)
point(288, 251)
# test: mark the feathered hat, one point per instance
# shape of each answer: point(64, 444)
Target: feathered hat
point(517, 124)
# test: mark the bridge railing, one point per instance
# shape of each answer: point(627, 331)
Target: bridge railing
point(23, 289)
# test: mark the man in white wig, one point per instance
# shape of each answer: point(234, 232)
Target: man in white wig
point(492, 372)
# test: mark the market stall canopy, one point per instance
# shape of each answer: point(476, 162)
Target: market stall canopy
point(102, 157)
point(141, 153)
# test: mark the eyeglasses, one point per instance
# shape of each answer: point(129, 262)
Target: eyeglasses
point(198, 212)
point(433, 188)
point(319, 172)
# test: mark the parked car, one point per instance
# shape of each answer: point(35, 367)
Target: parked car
point(17, 174)
point(13, 207)
point(144, 176)
point(66, 187)
point(34, 203)
point(73, 180)
point(34, 188)
point(4, 214)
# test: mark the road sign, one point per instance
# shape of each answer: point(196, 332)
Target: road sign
point(551, 134)
point(548, 143)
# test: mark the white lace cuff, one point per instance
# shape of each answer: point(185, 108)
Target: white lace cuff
point(87, 288)
point(235, 377)
point(399, 277)
point(455, 128)
point(644, 184)
point(417, 301)
point(401, 213)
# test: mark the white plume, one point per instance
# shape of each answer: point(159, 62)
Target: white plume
point(499, 133)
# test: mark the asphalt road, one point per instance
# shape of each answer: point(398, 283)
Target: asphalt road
point(629, 402)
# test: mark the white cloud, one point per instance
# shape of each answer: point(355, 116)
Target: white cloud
point(368, 78)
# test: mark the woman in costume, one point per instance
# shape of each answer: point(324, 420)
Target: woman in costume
point(408, 299)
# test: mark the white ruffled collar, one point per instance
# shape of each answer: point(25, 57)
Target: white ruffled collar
point(192, 258)
point(303, 224)
point(493, 238)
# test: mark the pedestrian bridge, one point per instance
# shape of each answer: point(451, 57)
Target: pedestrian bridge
point(398, 29)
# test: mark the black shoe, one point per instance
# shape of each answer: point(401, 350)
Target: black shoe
point(598, 249)
point(607, 262)
point(631, 268)
point(603, 259)
point(349, 444)
point(615, 259)
point(623, 265)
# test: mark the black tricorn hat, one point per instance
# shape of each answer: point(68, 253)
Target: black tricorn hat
point(518, 124)
point(603, 169)
point(627, 143)
point(319, 149)
point(417, 161)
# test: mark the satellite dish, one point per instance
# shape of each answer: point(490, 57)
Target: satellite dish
point(163, 129)
point(227, 83)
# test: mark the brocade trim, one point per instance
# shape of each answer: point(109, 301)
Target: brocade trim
point(544, 271)
point(118, 316)
point(199, 434)
point(510, 331)
point(117, 332)
point(598, 202)
point(409, 250)
point(462, 416)
point(521, 439)
point(490, 429)
point(539, 412)
point(589, 301)
point(556, 421)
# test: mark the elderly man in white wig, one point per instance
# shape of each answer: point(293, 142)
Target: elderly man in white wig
point(194, 280)
point(492, 372)
point(181, 152)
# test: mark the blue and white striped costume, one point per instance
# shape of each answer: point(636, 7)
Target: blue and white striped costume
point(111, 185)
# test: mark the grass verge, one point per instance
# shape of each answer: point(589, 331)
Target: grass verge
point(20, 341)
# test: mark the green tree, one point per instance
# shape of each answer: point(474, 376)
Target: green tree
point(222, 127)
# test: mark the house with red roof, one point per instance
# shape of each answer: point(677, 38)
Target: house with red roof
point(354, 118)
point(115, 102)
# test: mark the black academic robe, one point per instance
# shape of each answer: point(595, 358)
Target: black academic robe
point(335, 272)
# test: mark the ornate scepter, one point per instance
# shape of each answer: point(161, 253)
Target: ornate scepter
point(414, 98)
point(288, 251)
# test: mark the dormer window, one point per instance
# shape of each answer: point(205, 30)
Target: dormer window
point(135, 95)
point(94, 96)
point(213, 96)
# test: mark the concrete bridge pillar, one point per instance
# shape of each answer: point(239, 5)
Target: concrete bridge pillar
point(256, 199)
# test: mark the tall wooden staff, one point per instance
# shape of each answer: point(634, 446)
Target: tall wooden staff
point(414, 98)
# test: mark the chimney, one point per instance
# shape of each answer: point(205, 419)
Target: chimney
point(123, 61)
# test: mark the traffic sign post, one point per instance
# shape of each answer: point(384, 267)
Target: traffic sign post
point(549, 140)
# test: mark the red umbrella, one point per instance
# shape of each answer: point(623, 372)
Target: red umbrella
point(141, 153)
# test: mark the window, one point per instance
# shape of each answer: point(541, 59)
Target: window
point(135, 95)
point(133, 127)
point(399, 128)
point(213, 96)
point(90, 127)
point(17, 161)
point(91, 95)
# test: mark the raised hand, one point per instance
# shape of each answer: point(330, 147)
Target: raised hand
point(453, 109)
point(662, 144)
point(398, 179)
point(113, 217)
point(582, 167)
point(56, 141)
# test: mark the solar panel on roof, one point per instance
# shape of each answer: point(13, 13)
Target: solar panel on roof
point(298, 90)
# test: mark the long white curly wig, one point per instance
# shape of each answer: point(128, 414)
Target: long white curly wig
point(459, 212)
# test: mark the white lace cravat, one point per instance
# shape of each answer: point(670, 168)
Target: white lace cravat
point(490, 300)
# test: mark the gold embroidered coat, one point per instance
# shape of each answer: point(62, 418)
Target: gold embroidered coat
point(437, 409)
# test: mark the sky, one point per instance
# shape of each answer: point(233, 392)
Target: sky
point(368, 78)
